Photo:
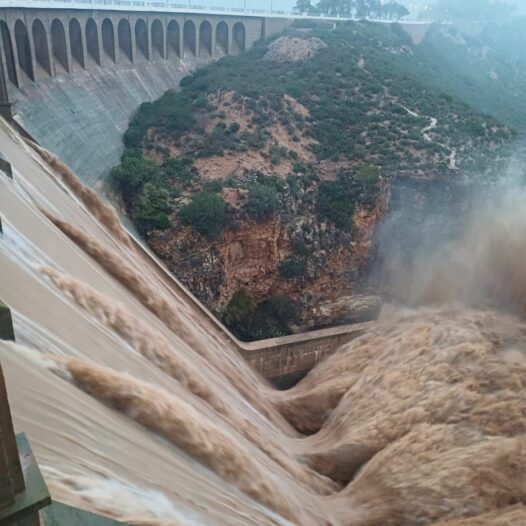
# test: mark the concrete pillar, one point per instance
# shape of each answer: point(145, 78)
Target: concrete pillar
point(68, 46)
point(213, 44)
point(133, 42)
point(230, 38)
point(197, 38)
point(164, 23)
point(102, 58)
point(5, 105)
point(51, 58)
point(181, 39)
point(14, 47)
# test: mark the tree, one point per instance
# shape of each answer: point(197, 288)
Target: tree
point(206, 213)
point(394, 10)
point(303, 6)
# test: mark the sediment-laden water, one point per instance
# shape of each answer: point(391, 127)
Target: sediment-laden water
point(139, 407)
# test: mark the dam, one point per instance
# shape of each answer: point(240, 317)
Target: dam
point(139, 408)
point(77, 71)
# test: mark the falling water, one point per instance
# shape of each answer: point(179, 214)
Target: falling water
point(139, 407)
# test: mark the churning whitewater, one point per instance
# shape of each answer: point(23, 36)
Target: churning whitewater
point(138, 406)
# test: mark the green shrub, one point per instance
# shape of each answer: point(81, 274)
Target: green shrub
point(269, 319)
point(153, 208)
point(216, 186)
point(206, 213)
point(292, 268)
point(335, 204)
point(368, 175)
point(262, 201)
point(179, 169)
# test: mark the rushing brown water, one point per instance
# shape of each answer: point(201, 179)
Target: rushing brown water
point(138, 406)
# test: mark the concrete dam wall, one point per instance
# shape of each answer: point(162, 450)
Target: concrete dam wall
point(83, 116)
point(76, 76)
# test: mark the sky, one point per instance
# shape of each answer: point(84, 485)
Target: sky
point(277, 5)
point(286, 5)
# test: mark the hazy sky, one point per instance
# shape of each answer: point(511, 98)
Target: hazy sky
point(286, 5)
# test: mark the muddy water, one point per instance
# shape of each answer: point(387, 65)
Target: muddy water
point(138, 407)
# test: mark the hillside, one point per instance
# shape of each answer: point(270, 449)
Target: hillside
point(488, 71)
point(261, 182)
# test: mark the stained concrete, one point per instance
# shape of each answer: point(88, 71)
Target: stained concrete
point(82, 117)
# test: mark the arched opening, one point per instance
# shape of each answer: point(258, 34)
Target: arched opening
point(108, 39)
point(222, 38)
point(173, 41)
point(92, 40)
point(23, 49)
point(9, 53)
point(205, 39)
point(125, 40)
point(58, 43)
point(189, 38)
point(75, 41)
point(40, 46)
point(238, 40)
point(158, 38)
point(141, 38)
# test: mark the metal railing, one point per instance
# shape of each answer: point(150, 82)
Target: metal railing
point(170, 6)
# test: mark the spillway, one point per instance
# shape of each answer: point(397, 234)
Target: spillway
point(138, 407)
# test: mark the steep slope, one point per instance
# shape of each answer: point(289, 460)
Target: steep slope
point(262, 182)
point(487, 71)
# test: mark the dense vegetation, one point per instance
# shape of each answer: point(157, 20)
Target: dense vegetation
point(360, 8)
point(342, 124)
point(487, 71)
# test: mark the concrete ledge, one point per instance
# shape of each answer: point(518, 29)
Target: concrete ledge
point(61, 515)
point(35, 496)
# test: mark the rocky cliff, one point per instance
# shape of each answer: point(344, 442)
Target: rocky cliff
point(262, 183)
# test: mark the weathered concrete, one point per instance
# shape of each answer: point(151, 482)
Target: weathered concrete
point(285, 360)
point(82, 117)
point(33, 495)
point(75, 77)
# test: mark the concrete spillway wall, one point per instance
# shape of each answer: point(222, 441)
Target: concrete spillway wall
point(82, 117)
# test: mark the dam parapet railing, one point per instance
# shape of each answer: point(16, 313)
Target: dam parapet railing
point(169, 6)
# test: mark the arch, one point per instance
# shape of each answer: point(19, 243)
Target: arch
point(189, 38)
point(23, 49)
point(58, 44)
point(205, 39)
point(9, 53)
point(125, 38)
point(40, 45)
point(173, 40)
point(75, 41)
point(141, 38)
point(158, 37)
point(108, 39)
point(222, 38)
point(92, 40)
point(238, 37)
